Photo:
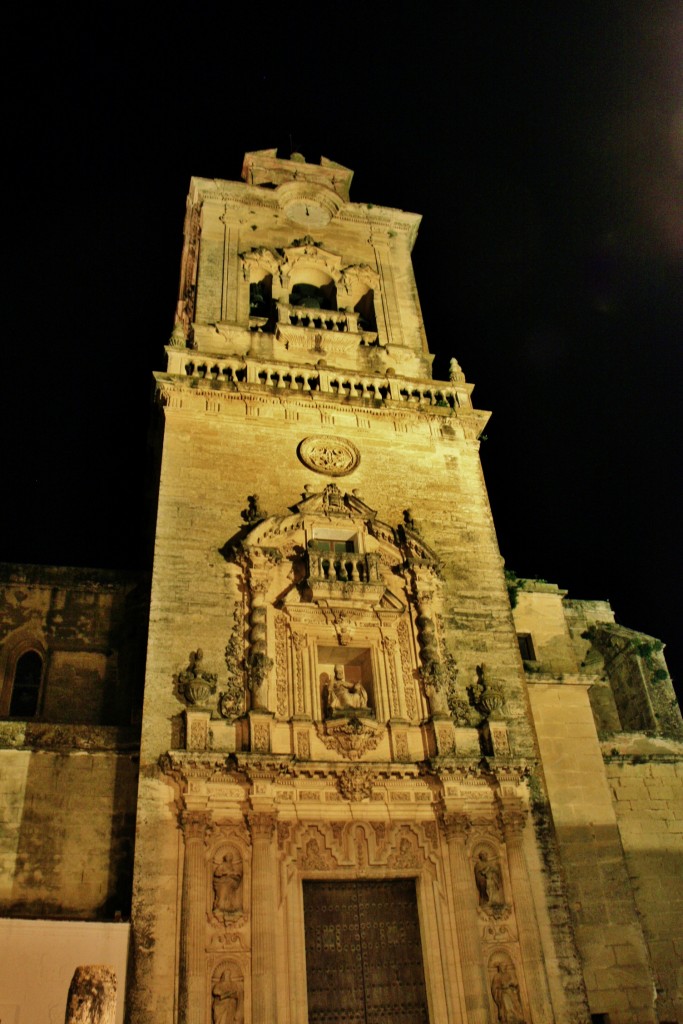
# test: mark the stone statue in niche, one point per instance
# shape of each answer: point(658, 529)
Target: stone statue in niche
point(489, 881)
point(505, 992)
point(195, 684)
point(226, 999)
point(227, 884)
point(344, 695)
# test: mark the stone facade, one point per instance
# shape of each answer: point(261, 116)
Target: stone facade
point(611, 741)
point(343, 687)
point(68, 783)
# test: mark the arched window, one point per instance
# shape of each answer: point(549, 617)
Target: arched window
point(28, 673)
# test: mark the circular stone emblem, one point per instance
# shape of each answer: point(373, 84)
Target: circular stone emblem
point(334, 456)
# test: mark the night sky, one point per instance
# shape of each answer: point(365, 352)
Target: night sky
point(543, 145)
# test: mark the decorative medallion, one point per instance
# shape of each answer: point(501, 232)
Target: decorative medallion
point(333, 456)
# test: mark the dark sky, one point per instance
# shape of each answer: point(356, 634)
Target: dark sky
point(544, 148)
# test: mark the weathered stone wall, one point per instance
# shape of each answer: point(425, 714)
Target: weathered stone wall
point(606, 923)
point(68, 774)
point(88, 626)
point(68, 827)
point(647, 793)
point(539, 611)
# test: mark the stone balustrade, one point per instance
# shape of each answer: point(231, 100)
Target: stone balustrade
point(236, 372)
point(349, 567)
point(322, 319)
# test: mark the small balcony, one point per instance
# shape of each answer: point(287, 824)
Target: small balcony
point(347, 575)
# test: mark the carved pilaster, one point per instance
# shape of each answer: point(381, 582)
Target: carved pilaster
point(263, 917)
point(192, 979)
point(299, 644)
point(456, 827)
point(514, 821)
point(397, 703)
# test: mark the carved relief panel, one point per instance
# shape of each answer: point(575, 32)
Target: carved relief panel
point(329, 612)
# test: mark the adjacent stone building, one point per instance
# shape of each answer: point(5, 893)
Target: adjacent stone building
point(380, 779)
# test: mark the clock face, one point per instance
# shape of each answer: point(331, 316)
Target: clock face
point(307, 212)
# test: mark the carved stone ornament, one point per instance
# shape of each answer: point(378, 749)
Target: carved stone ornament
point(351, 737)
point(488, 698)
point(489, 882)
point(227, 885)
point(356, 783)
point(505, 990)
point(227, 994)
point(196, 685)
point(333, 456)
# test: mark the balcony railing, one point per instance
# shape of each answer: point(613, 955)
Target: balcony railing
point(320, 319)
point(349, 567)
point(236, 373)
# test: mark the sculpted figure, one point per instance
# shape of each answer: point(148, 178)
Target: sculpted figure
point(227, 884)
point(489, 881)
point(226, 1001)
point(343, 694)
point(505, 992)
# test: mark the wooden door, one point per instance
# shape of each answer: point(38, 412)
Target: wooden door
point(363, 953)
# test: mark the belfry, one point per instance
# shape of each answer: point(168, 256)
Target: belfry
point(382, 781)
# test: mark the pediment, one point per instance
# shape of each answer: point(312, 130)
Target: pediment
point(333, 502)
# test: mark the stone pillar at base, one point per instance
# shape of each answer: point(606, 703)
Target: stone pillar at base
point(197, 729)
point(92, 996)
point(455, 827)
point(514, 821)
point(263, 918)
point(193, 928)
point(444, 734)
point(259, 729)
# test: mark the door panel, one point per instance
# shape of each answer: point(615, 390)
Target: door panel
point(363, 953)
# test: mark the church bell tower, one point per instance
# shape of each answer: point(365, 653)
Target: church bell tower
point(341, 812)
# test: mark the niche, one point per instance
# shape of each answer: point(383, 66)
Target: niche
point(346, 682)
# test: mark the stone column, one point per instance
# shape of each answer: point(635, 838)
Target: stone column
point(263, 918)
point(193, 920)
point(455, 827)
point(92, 996)
point(529, 936)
